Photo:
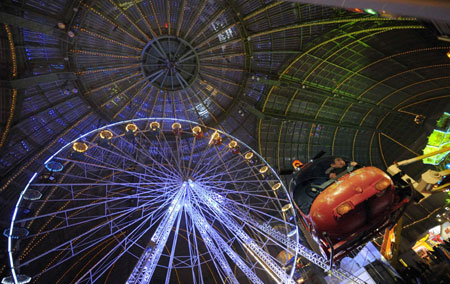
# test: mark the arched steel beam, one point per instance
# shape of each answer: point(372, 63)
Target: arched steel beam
point(430, 9)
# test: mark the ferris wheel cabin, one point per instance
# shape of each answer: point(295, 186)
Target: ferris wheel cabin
point(344, 213)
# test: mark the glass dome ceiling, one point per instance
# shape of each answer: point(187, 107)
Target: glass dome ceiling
point(289, 79)
point(165, 63)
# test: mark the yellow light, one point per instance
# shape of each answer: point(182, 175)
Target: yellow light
point(12, 107)
point(262, 263)
point(176, 126)
point(297, 164)
point(448, 54)
point(13, 50)
point(358, 189)
point(286, 208)
point(107, 69)
point(78, 51)
point(215, 138)
point(131, 127)
point(248, 155)
point(263, 169)
point(108, 39)
point(276, 186)
point(154, 125)
point(80, 147)
point(403, 262)
point(176, 129)
point(106, 134)
point(382, 185)
point(196, 130)
point(232, 144)
point(344, 208)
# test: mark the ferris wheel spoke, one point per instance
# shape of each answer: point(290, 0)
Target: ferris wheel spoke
point(136, 174)
point(244, 189)
point(191, 155)
point(116, 194)
point(141, 150)
point(218, 258)
point(215, 201)
point(256, 193)
point(266, 215)
point(96, 270)
point(201, 162)
point(238, 178)
point(224, 178)
point(235, 166)
point(181, 156)
point(90, 184)
point(225, 202)
point(212, 217)
point(107, 263)
point(66, 246)
point(174, 243)
point(132, 159)
point(265, 260)
point(66, 212)
point(79, 172)
point(80, 177)
point(80, 164)
point(153, 218)
point(226, 248)
point(206, 167)
point(193, 249)
point(253, 183)
point(268, 234)
point(69, 245)
point(170, 168)
point(225, 165)
point(91, 218)
point(120, 244)
point(151, 255)
point(110, 183)
point(201, 166)
point(174, 156)
point(224, 149)
point(262, 228)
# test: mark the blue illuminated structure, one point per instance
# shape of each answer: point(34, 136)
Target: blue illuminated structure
point(164, 201)
point(54, 166)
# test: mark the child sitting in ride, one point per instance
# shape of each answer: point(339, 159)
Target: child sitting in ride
point(339, 166)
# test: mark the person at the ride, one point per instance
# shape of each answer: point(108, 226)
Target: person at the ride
point(339, 166)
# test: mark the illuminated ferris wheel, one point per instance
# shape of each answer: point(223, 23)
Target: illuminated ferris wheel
point(154, 200)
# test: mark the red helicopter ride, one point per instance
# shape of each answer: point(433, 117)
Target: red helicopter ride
point(349, 209)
